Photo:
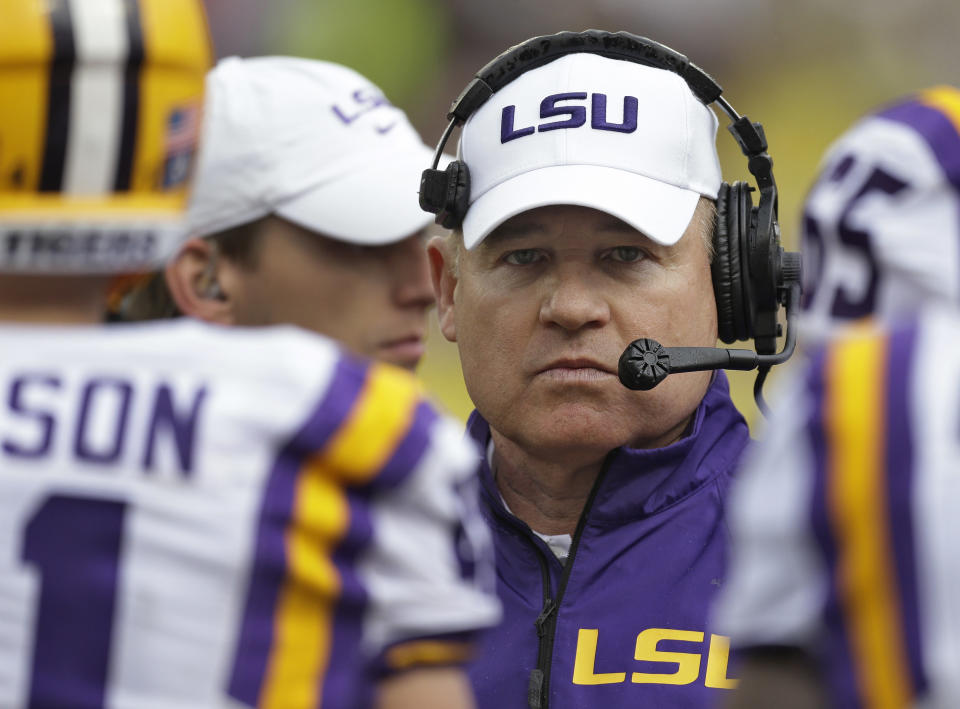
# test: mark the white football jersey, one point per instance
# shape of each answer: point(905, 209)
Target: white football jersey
point(846, 519)
point(195, 516)
point(881, 226)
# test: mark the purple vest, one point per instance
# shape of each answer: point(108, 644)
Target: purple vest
point(624, 622)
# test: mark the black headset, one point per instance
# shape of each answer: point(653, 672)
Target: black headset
point(752, 275)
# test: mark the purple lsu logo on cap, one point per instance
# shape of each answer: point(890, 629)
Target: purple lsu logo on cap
point(365, 100)
point(576, 115)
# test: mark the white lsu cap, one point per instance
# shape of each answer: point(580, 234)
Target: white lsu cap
point(614, 135)
point(312, 142)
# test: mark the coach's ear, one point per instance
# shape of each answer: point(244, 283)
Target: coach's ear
point(444, 272)
point(194, 277)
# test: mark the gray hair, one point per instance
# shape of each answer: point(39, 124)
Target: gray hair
point(704, 220)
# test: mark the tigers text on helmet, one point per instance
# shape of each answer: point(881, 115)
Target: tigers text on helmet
point(102, 107)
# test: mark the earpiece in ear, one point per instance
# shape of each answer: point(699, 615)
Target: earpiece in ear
point(213, 291)
point(209, 287)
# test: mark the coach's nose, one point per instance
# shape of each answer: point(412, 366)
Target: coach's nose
point(571, 301)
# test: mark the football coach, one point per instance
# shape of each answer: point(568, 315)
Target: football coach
point(583, 211)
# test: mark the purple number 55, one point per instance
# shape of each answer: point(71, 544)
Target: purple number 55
point(846, 305)
point(75, 544)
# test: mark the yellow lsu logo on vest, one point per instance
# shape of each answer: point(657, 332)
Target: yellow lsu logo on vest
point(687, 663)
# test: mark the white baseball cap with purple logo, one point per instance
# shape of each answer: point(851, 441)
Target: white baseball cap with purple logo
point(313, 142)
point(614, 135)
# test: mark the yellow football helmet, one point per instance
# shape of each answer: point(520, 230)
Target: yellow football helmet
point(100, 112)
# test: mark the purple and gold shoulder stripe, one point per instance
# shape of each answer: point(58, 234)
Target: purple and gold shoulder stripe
point(301, 629)
point(862, 437)
point(935, 115)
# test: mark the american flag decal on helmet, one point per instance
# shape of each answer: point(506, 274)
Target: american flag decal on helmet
point(183, 129)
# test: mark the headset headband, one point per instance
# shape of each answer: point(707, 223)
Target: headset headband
point(542, 50)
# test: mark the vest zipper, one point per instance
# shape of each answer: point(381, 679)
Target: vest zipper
point(535, 686)
point(538, 688)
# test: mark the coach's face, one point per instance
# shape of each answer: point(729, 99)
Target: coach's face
point(544, 306)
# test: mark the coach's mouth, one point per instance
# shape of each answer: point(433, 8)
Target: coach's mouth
point(579, 369)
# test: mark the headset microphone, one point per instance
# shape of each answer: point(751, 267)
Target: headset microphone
point(645, 363)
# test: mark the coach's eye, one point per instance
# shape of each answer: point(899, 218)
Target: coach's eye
point(626, 254)
point(524, 257)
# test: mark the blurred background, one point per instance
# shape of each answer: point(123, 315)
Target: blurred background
point(805, 69)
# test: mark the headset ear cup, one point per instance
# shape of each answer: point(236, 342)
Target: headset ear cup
point(725, 269)
point(457, 197)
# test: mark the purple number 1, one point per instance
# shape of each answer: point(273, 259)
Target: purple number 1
point(75, 545)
